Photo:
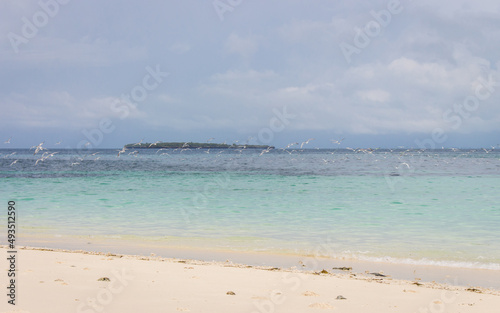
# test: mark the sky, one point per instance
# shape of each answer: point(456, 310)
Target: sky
point(388, 73)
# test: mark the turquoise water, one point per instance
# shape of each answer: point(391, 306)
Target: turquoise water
point(431, 207)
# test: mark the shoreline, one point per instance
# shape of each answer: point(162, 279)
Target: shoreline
point(83, 281)
point(462, 276)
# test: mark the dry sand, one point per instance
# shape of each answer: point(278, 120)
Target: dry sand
point(64, 281)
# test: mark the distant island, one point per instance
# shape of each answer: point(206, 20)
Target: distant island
point(192, 145)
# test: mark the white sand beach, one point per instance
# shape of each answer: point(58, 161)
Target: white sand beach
point(75, 281)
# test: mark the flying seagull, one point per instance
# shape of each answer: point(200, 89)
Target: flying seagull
point(39, 148)
point(337, 141)
point(121, 151)
point(139, 143)
point(306, 142)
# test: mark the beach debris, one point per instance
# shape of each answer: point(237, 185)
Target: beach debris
point(378, 274)
point(321, 306)
point(273, 269)
point(417, 283)
point(343, 268)
point(310, 294)
point(323, 271)
point(230, 293)
point(473, 290)
point(104, 279)
point(341, 297)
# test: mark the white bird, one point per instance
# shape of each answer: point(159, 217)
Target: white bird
point(74, 163)
point(160, 150)
point(139, 143)
point(8, 140)
point(15, 161)
point(58, 143)
point(121, 151)
point(45, 156)
point(39, 148)
point(407, 165)
point(210, 139)
point(337, 141)
point(293, 143)
point(306, 142)
point(154, 144)
point(265, 151)
point(8, 155)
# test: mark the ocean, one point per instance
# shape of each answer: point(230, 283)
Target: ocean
point(404, 206)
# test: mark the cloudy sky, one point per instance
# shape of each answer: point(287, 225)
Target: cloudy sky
point(378, 73)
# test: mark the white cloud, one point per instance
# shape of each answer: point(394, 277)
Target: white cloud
point(244, 46)
point(62, 110)
point(426, 60)
point(180, 47)
point(375, 95)
point(83, 52)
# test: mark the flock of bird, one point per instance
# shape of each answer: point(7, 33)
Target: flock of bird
point(290, 148)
